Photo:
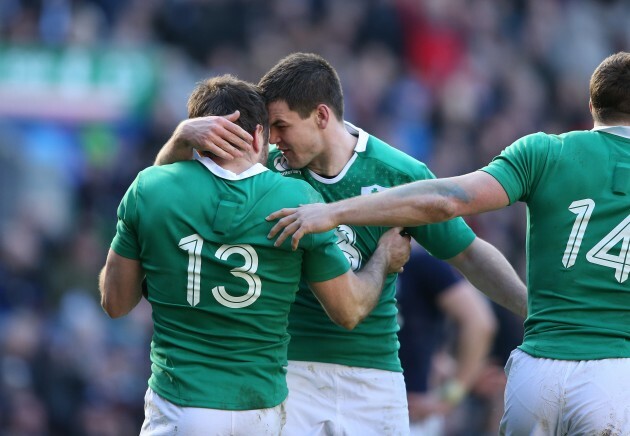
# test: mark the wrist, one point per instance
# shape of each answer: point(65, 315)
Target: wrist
point(336, 215)
point(452, 392)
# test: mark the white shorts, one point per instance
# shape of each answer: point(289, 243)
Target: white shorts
point(163, 418)
point(560, 397)
point(338, 400)
point(430, 426)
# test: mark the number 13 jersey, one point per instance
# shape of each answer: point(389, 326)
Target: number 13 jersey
point(220, 291)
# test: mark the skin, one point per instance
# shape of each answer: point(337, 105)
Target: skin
point(120, 283)
point(307, 142)
point(413, 204)
point(321, 143)
point(120, 279)
point(476, 326)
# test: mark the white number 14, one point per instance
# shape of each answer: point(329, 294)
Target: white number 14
point(600, 254)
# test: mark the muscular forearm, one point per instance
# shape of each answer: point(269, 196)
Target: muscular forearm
point(474, 341)
point(369, 283)
point(488, 270)
point(408, 205)
point(175, 150)
point(423, 202)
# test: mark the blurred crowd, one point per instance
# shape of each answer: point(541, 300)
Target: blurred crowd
point(450, 82)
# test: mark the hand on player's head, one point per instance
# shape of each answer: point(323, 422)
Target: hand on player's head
point(217, 135)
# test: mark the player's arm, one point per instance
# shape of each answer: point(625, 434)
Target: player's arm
point(410, 205)
point(476, 327)
point(120, 283)
point(212, 134)
point(350, 297)
point(490, 272)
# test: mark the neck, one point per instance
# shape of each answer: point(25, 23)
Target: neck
point(338, 149)
point(608, 123)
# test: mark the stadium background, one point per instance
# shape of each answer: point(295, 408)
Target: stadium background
point(89, 91)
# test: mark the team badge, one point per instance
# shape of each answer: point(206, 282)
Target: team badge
point(365, 190)
point(280, 163)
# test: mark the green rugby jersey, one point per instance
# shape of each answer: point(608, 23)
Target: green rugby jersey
point(577, 189)
point(373, 343)
point(219, 290)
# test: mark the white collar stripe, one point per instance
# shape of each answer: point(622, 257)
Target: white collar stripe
point(623, 131)
point(227, 174)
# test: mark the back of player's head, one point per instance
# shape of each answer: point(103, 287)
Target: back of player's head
point(222, 95)
point(610, 89)
point(303, 80)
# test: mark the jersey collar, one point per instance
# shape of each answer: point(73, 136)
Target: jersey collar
point(623, 131)
point(359, 148)
point(227, 174)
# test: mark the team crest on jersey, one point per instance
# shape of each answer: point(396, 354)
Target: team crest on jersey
point(281, 165)
point(365, 190)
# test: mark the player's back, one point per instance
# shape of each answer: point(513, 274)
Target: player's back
point(578, 197)
point(219, 290)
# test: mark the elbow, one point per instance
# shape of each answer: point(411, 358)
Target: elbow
point(490, 326)
point(440, 209)
point(349, 324)
point(349, 320)
point(112, 310)
point(486, 325)
point(353, 318)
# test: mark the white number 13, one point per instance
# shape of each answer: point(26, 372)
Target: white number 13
point(193, 243)
point(600, 254)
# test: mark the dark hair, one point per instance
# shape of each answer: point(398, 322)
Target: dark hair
point(222, 95)
point(610, 88)
point(303, 80)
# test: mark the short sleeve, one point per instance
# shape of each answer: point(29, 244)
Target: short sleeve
point(323, 260)
point(517, 168)
point(125, 242)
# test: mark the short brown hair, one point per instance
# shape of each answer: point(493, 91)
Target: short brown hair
point(303, 80)
point(222, 95)
point(610, 89)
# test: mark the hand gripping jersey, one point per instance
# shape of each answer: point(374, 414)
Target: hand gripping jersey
point(373, 343)
point(577, 189)
point(219, 290)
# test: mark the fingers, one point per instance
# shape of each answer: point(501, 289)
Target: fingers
point(288, 224)
point(223, 148)
point(233, 116)
point(284, 224)
point(289, 230)
point(281, 213)
point(240, 138)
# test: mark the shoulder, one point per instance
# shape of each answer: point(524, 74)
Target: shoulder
point(158, 174)
point(295, 190)
point(391, 159)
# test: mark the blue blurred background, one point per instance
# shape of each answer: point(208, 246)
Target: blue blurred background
point(90, 90)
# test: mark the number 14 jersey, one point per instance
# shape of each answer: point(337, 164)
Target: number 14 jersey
point(577, 189)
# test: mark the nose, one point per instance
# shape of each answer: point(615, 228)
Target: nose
point(274, 135)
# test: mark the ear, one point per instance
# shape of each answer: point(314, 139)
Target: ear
point(322, 115)
point(258, 142)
